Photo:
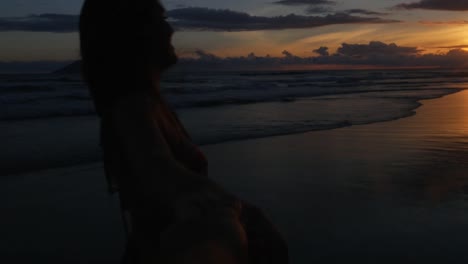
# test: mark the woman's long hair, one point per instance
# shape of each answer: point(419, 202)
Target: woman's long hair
point(120, 41)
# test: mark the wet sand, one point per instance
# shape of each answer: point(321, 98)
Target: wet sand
point(392, 192)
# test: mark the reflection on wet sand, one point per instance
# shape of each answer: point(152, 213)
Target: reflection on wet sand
point(434, 147)
point(392, 192)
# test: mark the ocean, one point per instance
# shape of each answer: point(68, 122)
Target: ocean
point(392, 192)
point(224, 106)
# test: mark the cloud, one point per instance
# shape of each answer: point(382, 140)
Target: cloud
point(364, 12)
point(56, 23)
point(322, 51)
point(305, 2)
point(31, 66)
point(315, 6)
point(439, 23)
point(205, 55)
point(454, 47)
point(374, 53)
point(197, 18)
point(457, 52)
point(375, 47)
point(450, 5)
point(318, 10)
point(287, 53)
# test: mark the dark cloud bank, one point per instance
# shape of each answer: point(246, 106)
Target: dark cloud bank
point(197, 18)
point(56, 23)
point(31, 67)
point(374, 53)
point(324, 6)
point(438, 23)
point(450, 5)
point(364, 12)
point(305, 2)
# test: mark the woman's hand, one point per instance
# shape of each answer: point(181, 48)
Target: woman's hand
point(265, 243)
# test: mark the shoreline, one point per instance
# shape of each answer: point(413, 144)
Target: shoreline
point(391, 192)
point(78, 143)
point(83, 148)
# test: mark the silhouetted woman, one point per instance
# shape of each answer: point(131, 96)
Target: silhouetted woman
point(174, 212)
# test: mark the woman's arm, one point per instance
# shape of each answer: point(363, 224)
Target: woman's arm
point(158, 175)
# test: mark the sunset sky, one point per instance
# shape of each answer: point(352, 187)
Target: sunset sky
point(28, 31)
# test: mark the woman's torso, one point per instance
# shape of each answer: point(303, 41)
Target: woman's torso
point(181, 145)
point(117, 162)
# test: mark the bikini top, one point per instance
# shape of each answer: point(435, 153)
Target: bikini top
point(184, 150)
point(178, 139)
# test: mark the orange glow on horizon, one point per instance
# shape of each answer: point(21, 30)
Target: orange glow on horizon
point(317, 67)
point(301, 42)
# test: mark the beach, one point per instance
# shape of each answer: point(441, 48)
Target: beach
point(388, 192)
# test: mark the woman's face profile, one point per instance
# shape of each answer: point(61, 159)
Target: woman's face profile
point(161, 35)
